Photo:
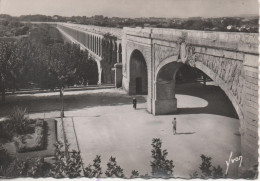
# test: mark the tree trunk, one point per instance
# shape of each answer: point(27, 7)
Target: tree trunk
point(62, 106)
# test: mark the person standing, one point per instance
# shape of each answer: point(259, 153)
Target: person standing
point(134, 103)
point(174, 126)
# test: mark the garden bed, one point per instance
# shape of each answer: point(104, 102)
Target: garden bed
point(35, 141)
point(47, 147)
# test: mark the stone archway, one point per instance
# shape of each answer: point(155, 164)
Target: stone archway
point(164, 101)
point(138, 74)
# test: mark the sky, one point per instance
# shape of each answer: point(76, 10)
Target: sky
point(131, 8)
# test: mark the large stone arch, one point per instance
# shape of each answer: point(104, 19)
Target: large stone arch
point(162, 106)
point(138, 78)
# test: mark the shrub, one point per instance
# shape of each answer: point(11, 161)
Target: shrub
point(135, 174)
point(5, 131)
point(205, 166)
point(39, 168)
point(5, 159)
point(113, 170)
point(19, 122)
point(17, 168)
point(67, 164)
point(74, 163)
point(94, 171)
point(207, 170)
point(161, 167)
point(59, 166)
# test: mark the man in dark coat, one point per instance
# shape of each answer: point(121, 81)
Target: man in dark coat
point(174, 126)
point(134, 103)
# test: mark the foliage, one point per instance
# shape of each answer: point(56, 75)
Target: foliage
point(7, 64)
point(205, 166)
point(135, 174)
point(59, 166)
point(39, 168)
point(17, 168)
point(27, 168)
point(161, 167)
point(43, 61)
point(19, 122)
point(74, 164)
point(5, 131)
point(94, 171)
point(113, 170)
point(5, 159)
point(67, 164)
point(207, 170)
point(217, 172)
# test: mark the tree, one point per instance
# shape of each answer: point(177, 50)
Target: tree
point(61, 63)
point(8, 62)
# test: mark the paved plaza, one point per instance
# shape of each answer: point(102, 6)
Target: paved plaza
point(105, 123)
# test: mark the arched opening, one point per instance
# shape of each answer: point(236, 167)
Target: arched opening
point(177, 78)
point(138, 74)
point(193, 82)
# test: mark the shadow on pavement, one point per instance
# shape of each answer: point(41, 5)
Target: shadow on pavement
point(218, 102)
point(185, 133)
point(71, 102)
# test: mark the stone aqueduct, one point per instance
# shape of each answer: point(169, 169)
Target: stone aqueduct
point(151, 58)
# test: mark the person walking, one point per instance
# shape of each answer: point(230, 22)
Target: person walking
point(174, 126)
point(134, 103)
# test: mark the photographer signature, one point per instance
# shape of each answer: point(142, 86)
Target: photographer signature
point(236, 159)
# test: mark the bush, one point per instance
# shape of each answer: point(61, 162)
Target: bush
point(94, 171)
point(5, 131)
point(19, 122)
point(17, 168)
point(39, 168)
point(28, 168)
point(113, 170)
point(67, 164)
point(135, 174)
point(161, 167)
point(207, 170)
point(205, 166)
point(5, 159)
